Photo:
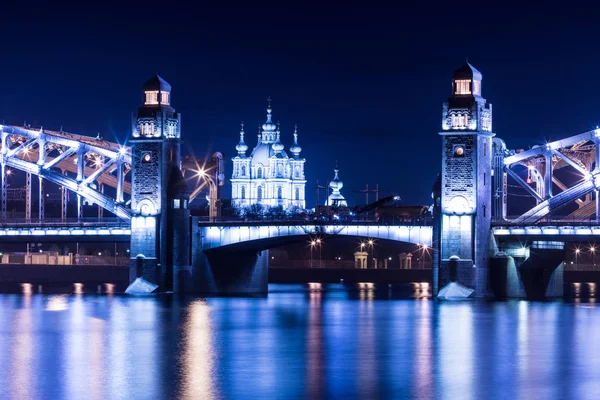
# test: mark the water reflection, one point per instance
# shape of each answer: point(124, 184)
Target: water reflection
point(331, 341)
point(197, 353)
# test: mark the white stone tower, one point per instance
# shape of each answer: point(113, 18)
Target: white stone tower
point(155, 141)
point(465, 215)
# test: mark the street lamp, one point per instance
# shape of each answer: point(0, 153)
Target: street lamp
point(593, 251)
point(576, 255)
point(319, 243)
point(312, 246)
point(371, 242)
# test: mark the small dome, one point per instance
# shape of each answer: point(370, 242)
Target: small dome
point(269, 126)
point(278, 146)
point(157, 83)
point(336, 184)
point(295, 149)
point(241, 147)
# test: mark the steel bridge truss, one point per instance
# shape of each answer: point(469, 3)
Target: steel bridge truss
point(50, 155)
point(579, 152)
point(92, 164)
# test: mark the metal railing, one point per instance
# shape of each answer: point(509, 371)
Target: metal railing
point(301, 220)
point(58, 222)
point(548, 221)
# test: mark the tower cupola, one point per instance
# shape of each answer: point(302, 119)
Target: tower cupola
point(466, 81)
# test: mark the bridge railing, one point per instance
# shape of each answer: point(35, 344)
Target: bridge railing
point(549, 221)
point(62, 223)
point(391, 220)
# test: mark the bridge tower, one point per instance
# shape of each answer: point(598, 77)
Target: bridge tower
point(155, 151)
point(465, 212)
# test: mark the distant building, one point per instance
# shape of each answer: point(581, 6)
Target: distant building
point(336, 199)
point(268, 176)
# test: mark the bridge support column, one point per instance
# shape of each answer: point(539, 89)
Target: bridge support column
point(28, 196)
point(64, 201)
point(41, 199)
point(100, 209)
point(218, 271)
point(79, 208)
point(4, 189)
point(119, 198)
point(548, 175)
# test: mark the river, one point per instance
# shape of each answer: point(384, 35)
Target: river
point(299, 342)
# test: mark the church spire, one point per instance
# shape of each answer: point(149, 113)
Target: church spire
point(278, 146)
point(268, 128)
point(296, 149)
point(335, 198)
point(242, 146)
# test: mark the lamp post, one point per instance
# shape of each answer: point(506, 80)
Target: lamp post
point(593, 251)
point(372, 252)
point(312, 246)
point(320, 259)
point(424, 249)
point(576, 258)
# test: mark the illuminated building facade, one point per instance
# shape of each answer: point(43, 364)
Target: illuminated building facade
point(466, 183)
point(268, 176)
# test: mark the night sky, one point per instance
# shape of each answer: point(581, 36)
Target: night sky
point(365, 84)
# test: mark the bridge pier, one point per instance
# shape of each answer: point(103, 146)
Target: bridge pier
point(222, 272)
point(527, 273)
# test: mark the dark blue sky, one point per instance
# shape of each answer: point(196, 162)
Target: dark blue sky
point(364, 83)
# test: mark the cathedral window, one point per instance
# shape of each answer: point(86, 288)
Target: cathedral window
point(259, 193)
point(243, 170)
point(463, 86)
point(279, 192)
point(297, 194)
point(164, 98)
point(297, 172)
point(477, 88)
point(243, 192)
point(259, 173)
point(152, 97)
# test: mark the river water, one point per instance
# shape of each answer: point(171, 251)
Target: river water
point(299, 342)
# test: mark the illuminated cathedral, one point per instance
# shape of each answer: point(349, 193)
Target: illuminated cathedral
point(268, 176)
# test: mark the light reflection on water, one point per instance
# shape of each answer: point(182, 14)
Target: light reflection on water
point(300, 342)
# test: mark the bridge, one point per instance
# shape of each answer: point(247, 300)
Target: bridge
point(489, 202)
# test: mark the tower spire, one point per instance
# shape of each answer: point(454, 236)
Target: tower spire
point(296, 149)
point(241, 146)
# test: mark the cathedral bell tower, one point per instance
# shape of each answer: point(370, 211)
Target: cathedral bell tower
point(156, 132)
point(464, 214)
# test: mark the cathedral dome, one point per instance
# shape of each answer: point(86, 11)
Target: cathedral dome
point(336, 184)
point(269, 126)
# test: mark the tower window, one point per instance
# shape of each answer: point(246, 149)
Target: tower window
point(243, 171)
point(463, 86)
point(259, 172)
point(297, 193)
point(279, 192)
point(151, 97)
point(259, 193)
point(243, 192)
point(164, 98)
point(460, 121)
point(147, 129)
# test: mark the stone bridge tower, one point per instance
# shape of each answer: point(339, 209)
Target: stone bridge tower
point(156, 133)
point(464, 215)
